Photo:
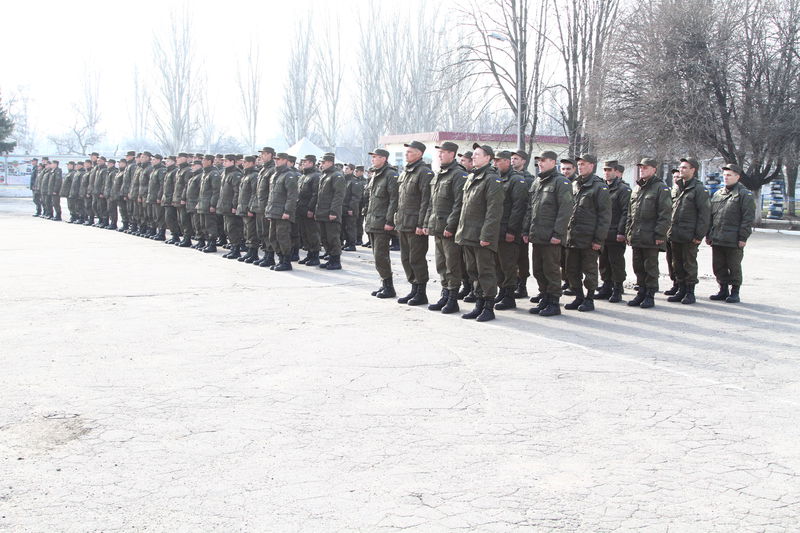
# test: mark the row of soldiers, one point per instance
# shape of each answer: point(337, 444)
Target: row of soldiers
point(492, 222)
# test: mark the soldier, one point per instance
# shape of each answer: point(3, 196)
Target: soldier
point(75, 200)
point(328, 213)
point(116, 205)
point(34, 186)
point(379, 221)
point(413, 199)
point(509, 240)
point(207, 203)
point(190, 198)
point(466, 293)
point(281, 208)
point(98, 193)
point(166, 203)
point(228, 203)
point(56, 182)
point(247, 189)
point(307, 190)
point(106, 200)
point(222, 239)
point(66, 185)
point(519, 162)
point(441, 221)
point(134, 208)
point(674, 190)
point(646, 232)
point(691, 215)
point(362, 204)
point(612, 256)
point(44, 191)
point(569, 169)
point(155, 192)
point(182, 219)
point(479, 228)
point(145, 215)
point(259, 203)
point(732, 215)
point(354, 190)
point(126, 170)
point(90, 199)
point(545, 227)
point(83, 202)
point(586, 232)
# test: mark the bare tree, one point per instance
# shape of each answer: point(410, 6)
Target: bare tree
point(328, 77)
point(208, 135)
point(84, 132)
point(249, 78)
point(18, 111)
point(140, 110)
point(298, 103)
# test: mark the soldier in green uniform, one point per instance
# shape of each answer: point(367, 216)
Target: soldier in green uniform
point(569, 169)
point(612, 256)
point(108, 201)
point(379, 221)
point(34, 186)
point(247, 189)
point(44, 191)
point(126, 174)
point(228, 203)
point(733, 211)
point(362, 204)
point(66, 185)
point(412, 205)
point(83, 186)
point(352, 200)
point(259, 203)
point(56, 182)
point(281, 208)
point(116, 205)
point(545, 227)
point(441, 221)
point(207, 203)
point(519, 162)
point(154, 193)
point(169, 207)
point(586, 232)
point(307, 190)
point(509, 241)
point(145, 218)
point(691, 215)
point(646, 232)
point(479, 228)
point(466, 293)
point(674, 191)
point(190, 198)
point(134, 208)
point(328, 213)
point(182, 219)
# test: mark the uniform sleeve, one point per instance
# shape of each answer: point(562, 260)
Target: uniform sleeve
point(624, 199)
point(216, 183)
point(703, 207)
point(355, 197)
point(337, 200)
point(603, 199)
point(664, 213)
point(394, 192)
point(519, 204)
point(424, 185)
point(458, 201)
point(494, 210)
point(291, 193)
point(312, 204)
point(429, 212)
point(236, 183)
point(565, 204)
point(748, 210)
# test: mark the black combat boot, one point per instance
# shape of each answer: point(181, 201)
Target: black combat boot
point(604, 292)
point(407, 297)
point(722, 294)
point(440, 302)
point(236, 252)
point(487, 313)
point(538, 298)
point(616, 293)
point(544, 299)
point(280, 262)
point(566, 290)
point(638, 299)
point(304, 260)
point(506, 302)
point(378, 290)
point(649, 299)
point(186, 242)
point(574, 304)
point(387, 289)
point(161, 235)
point(325, 260)
point(451, 306)
point(269, 259)
point(57, 218)
point(222, 241)
point(673, 291)
point(471, 297)
point(678, 295)
point(464, 292)
point(421, 297)
point(335, 263)
point(284, 264)
point(734, 297)
point(501, 293)
point(552, 308)
point(587, 304)
point(201, 243)
point(246, 256)
point(313, 259)
point(295, 254)
point(522, 288)
point(211, 248)
point(173, 239)
point(349, 248)
point(479, 302)
point(689, 297)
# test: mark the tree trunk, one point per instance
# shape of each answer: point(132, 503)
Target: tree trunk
point(759, 209)
point(791, 185)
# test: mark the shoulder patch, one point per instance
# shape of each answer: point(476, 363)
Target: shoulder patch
point(565, 182)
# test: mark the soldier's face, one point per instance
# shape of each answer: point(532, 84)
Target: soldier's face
point(181, 160)
point(412, 154)
point(517, 162)
point(567, 169)
point(585, 168)
point(348, 171)
point(266, 157)
point(466, 162)
point(646, 171)
point(248, 164)
point(378, 161)
point(545, 164)
point(685, 171)
point(502, 164)
point(228, 163)
point(325, 165)
point(359, 173)
point(480, 158)
point(609, 174)
point(281, 161)
point(730, 177)
point(446, 157)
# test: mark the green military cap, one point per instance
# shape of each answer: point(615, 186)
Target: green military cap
point(112, 161)
point(523, 154)
point(158, 156)
point(620, 168)
point(172, 158)
point(292, 159)
point(208, 157)
point(267, 149)
point(569, 160)
point(131, 152)
point(416, 144)
point(692, 161)
point(199, 155)
point(467, 154)
point(329, 156)
point(733, 167)
point(103, 158)
point(359, 167)
point(88, 161)
point(448, 146)
point(197, 162)
point(647, 162)
point(589, 158)
point(610, 164)
point(148, 154)
point(220, 156)
point(547, 154)
point(339, 166)
point(380, 151)
point(311, 157)
point(282, 155)
point(183, 154)
point(239, 156)
point(485, 147)
point(351, 166)
point(250, 158)
point(94, 154)
point(503, 154)
point(71, 163)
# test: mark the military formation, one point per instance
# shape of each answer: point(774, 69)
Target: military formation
point(493, 223)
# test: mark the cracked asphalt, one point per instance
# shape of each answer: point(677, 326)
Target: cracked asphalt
point(150, 388)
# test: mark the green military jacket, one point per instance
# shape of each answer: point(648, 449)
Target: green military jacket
point(247, 189)
point(649, 213)
point(91, 178)
point(733, 212)
point(330, 197)
point(447, 195)
point(130, 170)
point(691, 212)
point(181, 180)
point(191, 195)
point(591, 213)
point(515, 202)
point(56, 181)
point(66, 186)
point(169, 185)
point(99, 183)
point(481, 209)
point(133, 191)
point(210, 182)
point(282, 193)
point(620, 193)
point(549, 208)
point(75, 189)
point(352, 195)
point(144, 181)
point(119, 180)
point(156, 183)
point(229, 190)
point(414, 186)
point(108, 185)
point(260, 198)
point(44, 182)
point(382, 203)
point(307, 190)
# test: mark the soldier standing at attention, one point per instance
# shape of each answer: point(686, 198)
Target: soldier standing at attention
point(98, 192)
point(191, 197)
point(691, 215)
point(569, 169)
point(145, 227)
point(328, 213)
point(733, 211)
point(466, 293)
point(207, 203)
point(183, 219)
point(82, 191)
point(412, 205)
point(123, 202)
point(307, 190)
point(281, 208)
point(259, 203)
point(56, 182)
point(479, 228)
point(646, 232)
point(107, 196)
point(155, 190)
point(44, 190)
point(247, 189)
point(674, 190)
point(379, 221)
point(34, 186)
point(612, 256)
point(65, 188)
point(352, 201)
point(228, 202)
point(444, 212)
point(519, 162)
point(116, 204)
point(362, 204)
point(170, 210)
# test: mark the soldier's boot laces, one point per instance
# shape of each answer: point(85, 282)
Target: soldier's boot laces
point(479, 302)
point(445, 295)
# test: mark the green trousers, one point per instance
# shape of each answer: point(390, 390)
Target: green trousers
point(727, 264)
point(547, 268)
point(280, 236)
point(645, 266)
point(380, 253)
point(448, 262)
point(612, 262)
point(582, 266)
point(684, 262)
point(507, 264)
point(482, 270)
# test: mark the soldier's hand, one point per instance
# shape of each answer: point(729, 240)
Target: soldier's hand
point(285, 216)
point(212, 209)
point(697, 241)
point(485, 243)
point(183, 202)
point(510, 237)
point(525, 239)
point(332, 217)
point(233, 211)
point(741, 244)
point(596, 247)
point(419, 231)
point(250, 214)
point(708, 241)
point(425, 231)
point(446, 234)
point(659, 243)
point(387, 227)
point(350, 213)
point(157, 201)
point(620, 238)
point(554, 240)
point(310, 214)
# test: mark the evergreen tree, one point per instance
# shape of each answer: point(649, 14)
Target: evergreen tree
point(6, 128)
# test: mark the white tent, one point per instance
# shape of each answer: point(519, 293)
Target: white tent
point(304, 147)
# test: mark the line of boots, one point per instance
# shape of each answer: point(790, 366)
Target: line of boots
point(610, 291)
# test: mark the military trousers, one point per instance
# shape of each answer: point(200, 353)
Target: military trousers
point(47, 201)
point(234, 229)
point(684, 262)
point(159, 216)
point(582, 266)
point(727, 264)
point(122, 206)
point(262, 228)
point(380, 253)
point(481, 270)
point(331, 235)
point(524, 262)
point(221, 226)
point(171, 220)
point(210, 226)
point(670, 267)
point(309, 232)
point(185, 221)
point(359, 228)
point(645, 266)
point(349, 228)
point(250, 232)
point(112, 212)
point(37, 201)
point(88, 207)
point(612, 262)
point(132, 215)
point(448, 262)
point(57, 204)
point(563, 262)
point(547, 268)
point(507, 264)
point(280, 236)
point(413, 249)
point(296, 240)
point(198, 228)
point(98, 207)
